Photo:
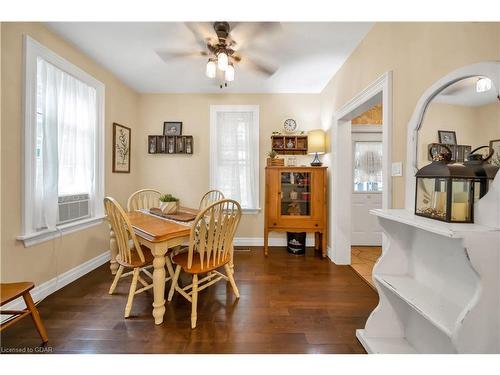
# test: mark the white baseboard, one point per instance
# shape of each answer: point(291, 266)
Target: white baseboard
point(273, 241)
point(329, 253)
point(47, 288)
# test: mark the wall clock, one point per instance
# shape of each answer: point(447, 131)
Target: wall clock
point(290, 125)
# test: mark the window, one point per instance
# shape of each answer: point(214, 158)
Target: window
point(234, 153)
point(63, 146)
point(367, 167)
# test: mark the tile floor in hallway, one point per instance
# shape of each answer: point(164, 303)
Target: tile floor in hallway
point(363, 259)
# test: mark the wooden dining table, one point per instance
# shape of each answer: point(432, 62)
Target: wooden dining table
point(159, 235)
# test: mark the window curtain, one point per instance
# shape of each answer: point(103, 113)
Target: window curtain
point(236, 157)
point(66, 148)
point(368, 162)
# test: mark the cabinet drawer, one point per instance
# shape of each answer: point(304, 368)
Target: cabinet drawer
point(294, 223)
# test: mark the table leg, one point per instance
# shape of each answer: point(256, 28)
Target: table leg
point(113, 248)
point(159, 285)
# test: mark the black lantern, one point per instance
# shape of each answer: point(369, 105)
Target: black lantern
point(447, 191)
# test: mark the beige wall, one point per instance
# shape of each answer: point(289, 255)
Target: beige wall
point(418, 54)
point(43, 262)
point(188, 176)
point(474, 126)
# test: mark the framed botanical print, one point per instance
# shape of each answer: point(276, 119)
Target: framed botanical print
point(122, 138)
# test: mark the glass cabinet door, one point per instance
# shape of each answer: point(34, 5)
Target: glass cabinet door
point(295, 194)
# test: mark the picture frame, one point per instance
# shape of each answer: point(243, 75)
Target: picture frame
point(172, 128)
point(495, 146)
point(447, 137)
point(291, 161)
point(122, 141)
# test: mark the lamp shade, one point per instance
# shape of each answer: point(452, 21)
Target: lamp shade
point(316, 141)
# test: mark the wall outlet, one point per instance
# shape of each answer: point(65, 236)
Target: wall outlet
point(397, 169)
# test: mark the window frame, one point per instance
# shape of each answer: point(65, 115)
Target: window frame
point(31, 51)
point(214, 109)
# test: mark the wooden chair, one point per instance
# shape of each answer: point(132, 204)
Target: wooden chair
point(12, 291)
point(210, 197)
point(131, 255)
point(210, 248)
point(144, 198)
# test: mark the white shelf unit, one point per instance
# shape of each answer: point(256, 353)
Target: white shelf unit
point(438, 285)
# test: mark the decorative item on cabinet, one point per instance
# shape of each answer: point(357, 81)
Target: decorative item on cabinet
point(273, 159)
point(447, 191)
point(316, 142)
point(291, 161)
point(296, 202)
point(289, 145)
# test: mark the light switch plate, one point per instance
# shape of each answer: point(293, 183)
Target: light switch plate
point(397, 169)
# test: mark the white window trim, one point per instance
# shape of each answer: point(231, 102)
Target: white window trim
point(32, 49)
point(214, 109)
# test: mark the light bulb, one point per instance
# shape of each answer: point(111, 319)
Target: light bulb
point(222, 60)
point(211, 69)
point(483, 84)
point(229, 73)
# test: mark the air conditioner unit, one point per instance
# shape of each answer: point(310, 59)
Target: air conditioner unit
point(73, 207)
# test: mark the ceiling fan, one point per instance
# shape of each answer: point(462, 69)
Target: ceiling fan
point(222, 49)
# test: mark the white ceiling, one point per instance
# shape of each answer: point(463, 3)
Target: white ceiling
point(463, 93)
point(307, 54)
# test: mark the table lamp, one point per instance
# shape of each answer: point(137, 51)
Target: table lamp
point(316, 145)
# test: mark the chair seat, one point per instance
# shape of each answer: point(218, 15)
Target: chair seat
point(182, 260)
point(11, 291)
point(135, 259)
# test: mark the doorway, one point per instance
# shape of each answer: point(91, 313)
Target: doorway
point(342, 180)
point(367, 186)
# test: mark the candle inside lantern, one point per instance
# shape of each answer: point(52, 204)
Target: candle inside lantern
point(459, 211)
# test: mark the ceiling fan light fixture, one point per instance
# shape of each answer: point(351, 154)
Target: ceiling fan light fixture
point(483, 84)
point(211, 69)
point(222, 60)
point(229, 73)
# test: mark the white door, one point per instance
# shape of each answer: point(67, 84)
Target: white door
point(366, 188)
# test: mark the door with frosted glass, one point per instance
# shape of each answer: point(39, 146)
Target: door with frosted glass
point(366, 188)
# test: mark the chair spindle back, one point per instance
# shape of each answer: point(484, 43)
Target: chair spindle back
point(124, 232)
point(213, 232)
point(143, 199)
point(210, 197)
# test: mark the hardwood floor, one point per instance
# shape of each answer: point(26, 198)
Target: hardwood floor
point(288, 304)
point(363, 259)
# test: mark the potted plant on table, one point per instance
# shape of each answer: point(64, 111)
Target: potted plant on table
point(169, 204)
point(273, 160)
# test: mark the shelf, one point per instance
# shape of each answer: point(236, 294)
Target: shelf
point(299, 185)
point(295, 201)
point(434, 307)
point(451, 230)
point(385, 345)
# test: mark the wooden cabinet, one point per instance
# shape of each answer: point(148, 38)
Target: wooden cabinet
point(296, 202)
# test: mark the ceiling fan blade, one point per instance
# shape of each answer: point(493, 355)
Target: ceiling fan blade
point(264, 68)
point(168, 56)
point(203, 32)
point(246, 32)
